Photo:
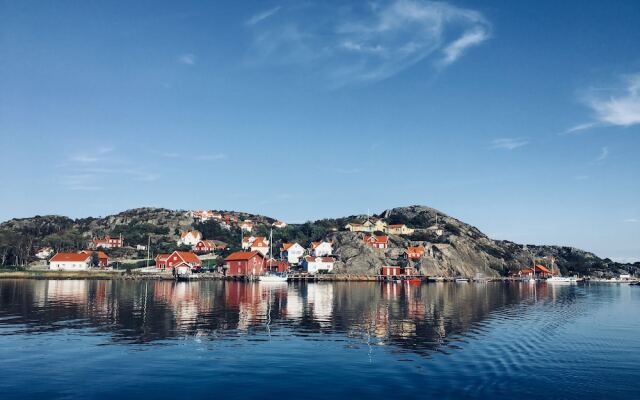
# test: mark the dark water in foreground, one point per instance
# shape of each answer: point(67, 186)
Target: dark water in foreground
point(117, 339)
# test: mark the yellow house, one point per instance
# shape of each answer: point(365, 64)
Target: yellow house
point(399, 229)
point(368, 226)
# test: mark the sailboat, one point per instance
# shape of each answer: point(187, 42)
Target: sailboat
point(559, 278)
point(273, 276)
point(532, 278)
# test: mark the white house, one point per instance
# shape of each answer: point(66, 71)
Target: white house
point(313, 264)
point(246, 225)
point(70, 262)
point(189, 238)
point(292, 252)
point(247, 242)
point(44, 253)
point(321, 249)
point(279, 224)
point(261, 245)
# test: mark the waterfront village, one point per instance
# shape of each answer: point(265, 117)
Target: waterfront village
point(257, 255)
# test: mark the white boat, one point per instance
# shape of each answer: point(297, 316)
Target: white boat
point(462, 280)
point(562, 279)
point(274, 277)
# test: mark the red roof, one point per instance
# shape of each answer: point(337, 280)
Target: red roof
point(393, 226)
point(418, 249)
point(162, 257)
point(242, 255)
point(187, 257)
point(376, 239)
point(286, 246)
point(101, 254)
point(319, 259)
point(73, 257)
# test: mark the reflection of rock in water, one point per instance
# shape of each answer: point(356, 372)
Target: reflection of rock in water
point(419, 318)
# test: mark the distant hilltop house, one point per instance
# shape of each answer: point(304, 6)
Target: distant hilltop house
point(189, 238)
point(141, 247)
point(279, 224)
point(437, 229)
point(178, 259)
point(370, 226)
point(414, 253)
point(246, 225)
point(244, 263)
point(205, 215)
point(44, 253)
point(107, 242)
point(377, 242)
point(292, 252)
point(322, 248)
point(314, 265)
point(399, 229)
point(261, 245)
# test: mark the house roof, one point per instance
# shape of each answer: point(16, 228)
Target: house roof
point(316, 244)
point(187, 257)
point(418, 249)
point(71, 257)
point(208, 243)
point(376, 239)
point(242, 255)
point(260, 241)
point(395, 226)
point(193, 233)
point(162, 257)
point(101, 254)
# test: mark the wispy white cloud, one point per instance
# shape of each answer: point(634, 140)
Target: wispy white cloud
point(261, 16)
point(508, 143)
point(366, 43)
point(613, 107)
point(93, 156)
point(187, 59)
point(632, 220)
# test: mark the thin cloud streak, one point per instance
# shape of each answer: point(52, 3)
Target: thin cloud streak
point(508, 143)
point(262, 16)
point(187, 59)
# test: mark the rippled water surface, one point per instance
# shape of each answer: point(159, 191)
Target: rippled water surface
point(161, 339)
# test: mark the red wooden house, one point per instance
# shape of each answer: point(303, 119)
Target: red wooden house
point(205, 246)
point(178, 258)
point(274, 265)
point(389, 270)
point(408, 271)
point(243, 263)
point(377, 242)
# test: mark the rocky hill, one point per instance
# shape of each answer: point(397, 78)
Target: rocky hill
point(453, 248)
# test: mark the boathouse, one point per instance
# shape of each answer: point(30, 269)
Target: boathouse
point(244, 263)
point(389, 270)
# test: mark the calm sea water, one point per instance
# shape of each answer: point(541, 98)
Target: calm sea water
point(125, 339)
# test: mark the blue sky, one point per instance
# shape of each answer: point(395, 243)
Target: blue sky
point(521, 120)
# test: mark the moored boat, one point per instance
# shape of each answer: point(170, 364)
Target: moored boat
point(274, 277)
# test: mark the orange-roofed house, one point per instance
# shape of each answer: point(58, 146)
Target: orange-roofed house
point(261, 245)
point(244, 263)
point(377, 242)
point(178, 259)
point(414, 253)
point(189, 238)
point(292, 252)
point(322, 249)
point(70, 262)
point(103, 259)
point(279, 224)
point(274, 265)
point(540, 270)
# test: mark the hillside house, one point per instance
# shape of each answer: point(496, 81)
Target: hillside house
point(436, 229)
point(107, 242)
point(314, 265)
point(247, 242)
point(414, 253)
point(377, 242)
point(178, 258)
point(202, 215)
point(70, 262)
point(189, 238)
point(261, 245)
point(44, 253)
point(279, 224)
point(103, 259)
point(321, 249)
point(244, 263)
point(204, 246)
point(399, 229)
point(370, 226)
point(246, 225)
point(292, 252)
